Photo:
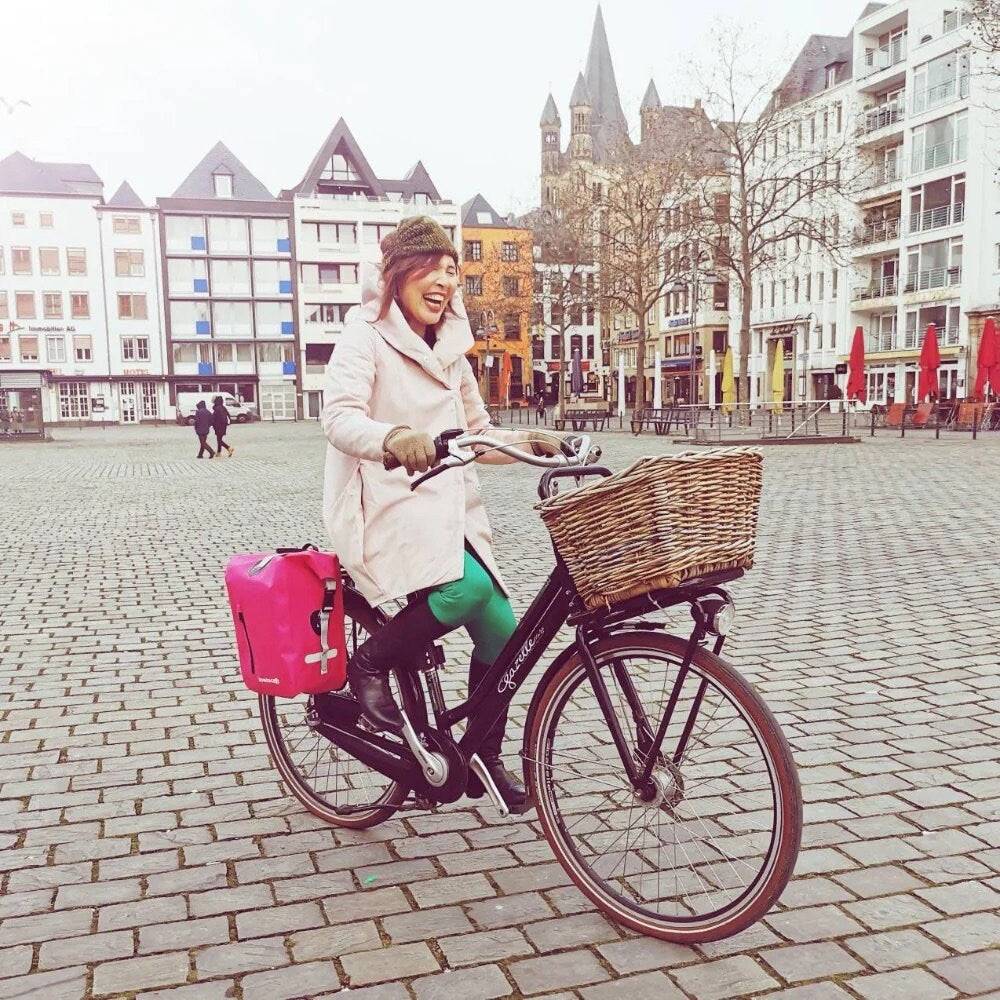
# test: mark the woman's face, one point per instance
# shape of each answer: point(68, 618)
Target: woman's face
point(424, 297)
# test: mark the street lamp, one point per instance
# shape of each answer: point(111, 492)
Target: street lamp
point(697, 279)
point(487, 326)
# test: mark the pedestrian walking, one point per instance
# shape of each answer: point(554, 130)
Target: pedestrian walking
point(18, 419)
point(4, 421)
point(220, 421)
point(202, 426)
point(540, 406)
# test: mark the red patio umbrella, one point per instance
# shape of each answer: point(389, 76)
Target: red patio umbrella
point(505, 373)
point(930, 361)
point(856, 385)
point(988, 367)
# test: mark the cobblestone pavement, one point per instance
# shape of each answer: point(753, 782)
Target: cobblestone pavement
point(149, 850)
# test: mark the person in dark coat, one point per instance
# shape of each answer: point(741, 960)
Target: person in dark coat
point(220, 421)
point(202, 426)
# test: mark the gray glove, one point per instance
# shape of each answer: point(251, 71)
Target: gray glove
point(414, 450)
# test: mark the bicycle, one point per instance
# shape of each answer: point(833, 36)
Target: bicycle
point(661, 779)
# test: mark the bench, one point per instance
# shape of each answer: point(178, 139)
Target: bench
point(659, 419)
point(578, 419)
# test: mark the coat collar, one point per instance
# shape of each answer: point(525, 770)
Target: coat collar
point(454, 335)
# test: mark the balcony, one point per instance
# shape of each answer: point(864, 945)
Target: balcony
point(942, 93)
point(881, 342)
point(913, 340)
point(877, 60)
point(939, 155)
point(882, 116)
point(933, 277)
point(883, 288)
point(878, 232)
point(951, 21)
point(937, 218)
point(881, 178)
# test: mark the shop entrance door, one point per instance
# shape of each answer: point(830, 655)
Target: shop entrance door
point(129, 409)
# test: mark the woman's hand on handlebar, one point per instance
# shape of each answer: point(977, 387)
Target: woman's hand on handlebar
point(545, 443)
point(414, 450)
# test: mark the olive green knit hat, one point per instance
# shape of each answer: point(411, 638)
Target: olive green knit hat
point(417, 234)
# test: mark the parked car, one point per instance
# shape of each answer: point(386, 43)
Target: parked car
point(239, 412)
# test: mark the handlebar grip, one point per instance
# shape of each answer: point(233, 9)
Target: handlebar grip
point(390, 462)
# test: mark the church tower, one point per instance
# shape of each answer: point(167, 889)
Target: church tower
point(649, 111)
point(551, 129)
point(581, 142)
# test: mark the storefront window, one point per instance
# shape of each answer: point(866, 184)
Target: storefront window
point(74, 402)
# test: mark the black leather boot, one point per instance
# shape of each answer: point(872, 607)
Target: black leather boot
point(397, 642)
point(489, 753)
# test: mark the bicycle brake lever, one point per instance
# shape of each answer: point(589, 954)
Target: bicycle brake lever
point(436, 471)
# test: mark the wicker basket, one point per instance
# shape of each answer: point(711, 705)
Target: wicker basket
point(658, 523)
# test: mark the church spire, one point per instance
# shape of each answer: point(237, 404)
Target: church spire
point(608, 117)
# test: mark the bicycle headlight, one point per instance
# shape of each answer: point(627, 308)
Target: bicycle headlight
point(716, 612)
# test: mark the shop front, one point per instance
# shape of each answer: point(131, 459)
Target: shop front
point(21, 405)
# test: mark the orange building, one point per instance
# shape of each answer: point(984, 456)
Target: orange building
point(497, 274)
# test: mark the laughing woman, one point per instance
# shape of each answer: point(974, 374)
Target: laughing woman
point(399, 377)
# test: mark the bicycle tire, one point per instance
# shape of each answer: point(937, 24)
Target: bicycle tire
point(557, 686)
point(356, 610)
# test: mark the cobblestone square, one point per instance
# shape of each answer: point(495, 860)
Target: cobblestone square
point(148, 849)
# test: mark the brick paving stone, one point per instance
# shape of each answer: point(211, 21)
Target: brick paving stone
point(17, 961)
point(452, 889)
point(970, 974)
point(485, 946)
point(906, 984)
point(373, 903)
point(974, 932)
point(291, 983)
point(143, 911)
point(816, 923)
point(397, 962)
point(554, 972)
point(244, 897)
point(242, 956)
point(505, 910)
point(422, 924)
point(329, 942)
point(726, 978)
point(895, 949)
point(814, 991)
point(141, 973)
point(890, 911)
point(218, 990)
point(185, 934)
point(638, 954)
point(962, 897)
point(483, 983)
point(820, 960)
point(60, 984)
point(571, 932)
point(645, 986)
point(81, 950)
point(879, 881)
point(278, 920)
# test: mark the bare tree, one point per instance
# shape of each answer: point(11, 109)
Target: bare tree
point(985, 20)
point(565, 274)
point(643, 188)
point(784, 173)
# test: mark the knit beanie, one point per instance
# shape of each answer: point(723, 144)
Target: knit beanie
point(417, 234)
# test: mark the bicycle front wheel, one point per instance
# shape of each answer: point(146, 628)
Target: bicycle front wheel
point(710, 851)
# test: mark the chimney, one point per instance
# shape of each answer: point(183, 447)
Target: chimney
point(697, 104)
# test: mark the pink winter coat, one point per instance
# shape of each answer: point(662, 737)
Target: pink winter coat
point(391, 540)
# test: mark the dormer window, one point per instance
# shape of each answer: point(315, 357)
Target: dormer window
point(223, 185)
point(831, 75)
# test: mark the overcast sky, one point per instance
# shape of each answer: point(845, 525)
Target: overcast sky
point(143, 90)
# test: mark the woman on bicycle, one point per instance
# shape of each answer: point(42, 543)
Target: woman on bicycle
point(399, 377)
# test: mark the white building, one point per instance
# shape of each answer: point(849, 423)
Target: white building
point(130, 244)
point(921, 228)
point(341, 212)
point(54, 342)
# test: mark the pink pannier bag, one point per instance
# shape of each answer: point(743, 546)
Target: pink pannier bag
point(288, 613)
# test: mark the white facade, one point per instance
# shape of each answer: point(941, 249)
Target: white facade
point(333, 237)
point(922, 228)
point(136, 345)
point(52, 305)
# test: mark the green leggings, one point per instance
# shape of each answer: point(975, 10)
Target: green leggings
point(477, 603)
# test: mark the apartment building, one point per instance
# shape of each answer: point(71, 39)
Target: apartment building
point(928, 229)
point(227, 250)
point(54, 340)
point(131, 264)
point(341, 211)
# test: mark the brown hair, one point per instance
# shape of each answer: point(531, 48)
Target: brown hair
point(396, 274)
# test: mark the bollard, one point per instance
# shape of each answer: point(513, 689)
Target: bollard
point(975, 422)
point(873, 421)
point(843, 422)
point(937, 423)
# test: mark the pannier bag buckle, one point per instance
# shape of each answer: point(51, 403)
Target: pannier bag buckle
point(326, 653)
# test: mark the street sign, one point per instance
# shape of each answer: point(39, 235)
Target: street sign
point(841, 368)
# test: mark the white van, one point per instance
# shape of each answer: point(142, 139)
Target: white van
point(239, 412)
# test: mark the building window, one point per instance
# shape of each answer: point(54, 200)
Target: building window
point(4, 347)
point(17, 218)
point(125, 225)
point(132, 307)
point(473, 284)
point(20, 260)
point(29, 348)
point(511, 285)
point(129, 264)
point(185, 234)
point(24, 304)
point(326, 312)
point(45, 220)
point(135, 348)
point(79, 305)
point(150, 400)
point(329, 274)
point(83, 348)
point(2, 269)
point(833, 287)
point(512, 326)
point(48, 260)
point(223, 184)
point(76, 261)
point(4, 308)
point(270, 236)
point(228, 236)
point(508, 251)
point(52, 307)
point(473, 249)
point(55, 349)
point(73, 400)
point(343, 234)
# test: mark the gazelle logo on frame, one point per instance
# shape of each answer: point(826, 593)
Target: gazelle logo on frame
point(509, 680)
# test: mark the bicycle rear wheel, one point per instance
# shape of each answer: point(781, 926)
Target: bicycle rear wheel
point(328, 781)
point(713, 849)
